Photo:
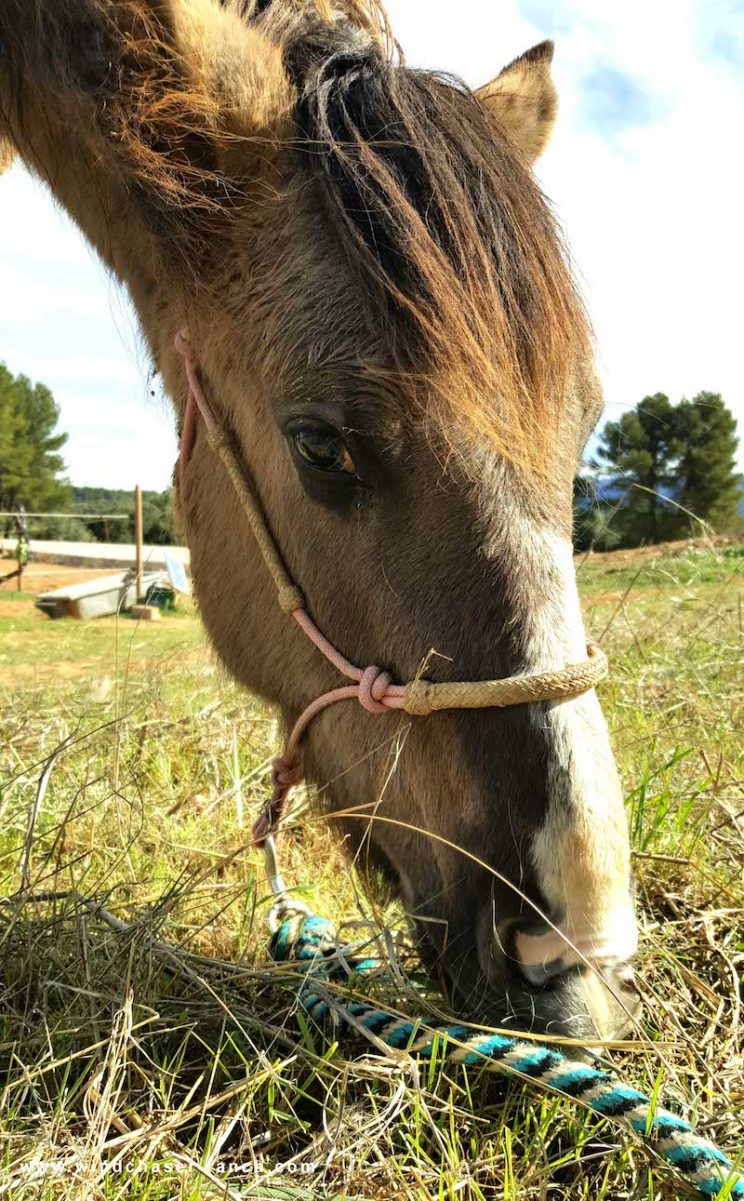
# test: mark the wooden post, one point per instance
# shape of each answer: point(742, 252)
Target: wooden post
point(138, 540)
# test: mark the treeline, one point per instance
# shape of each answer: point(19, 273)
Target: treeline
point(32, 477)
point(157, 514)
point(663, 471)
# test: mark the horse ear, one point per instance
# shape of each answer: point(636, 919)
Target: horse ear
point(523, 99)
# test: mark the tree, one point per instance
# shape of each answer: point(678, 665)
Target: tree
point(30, 462)
point(656, 470)
point(14, 448)
point(709, 485)
point(638, 453)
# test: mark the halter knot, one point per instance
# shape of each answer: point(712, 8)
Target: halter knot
point(285, 774)
point(373, 688)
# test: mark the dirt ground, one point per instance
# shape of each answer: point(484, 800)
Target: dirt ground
point(42, 577)
point(653, 550)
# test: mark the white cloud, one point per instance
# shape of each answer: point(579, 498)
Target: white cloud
point(651, 211)
point(65, 322)
point(654, 218)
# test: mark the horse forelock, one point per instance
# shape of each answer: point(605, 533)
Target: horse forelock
point(444, 223)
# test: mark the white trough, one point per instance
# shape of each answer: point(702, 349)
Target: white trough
point(96, 598)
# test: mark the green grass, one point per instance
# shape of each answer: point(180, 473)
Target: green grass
point(168, 1061)
point(691, 565)
point(28, 640)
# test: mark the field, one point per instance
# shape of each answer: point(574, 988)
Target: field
point(148, 1051)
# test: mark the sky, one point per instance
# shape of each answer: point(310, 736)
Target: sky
point(645, 171)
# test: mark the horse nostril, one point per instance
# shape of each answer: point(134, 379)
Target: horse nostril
point(541, 980)
point(626, 975)
point(542, 975)
point(544, 956)
point(626, 979)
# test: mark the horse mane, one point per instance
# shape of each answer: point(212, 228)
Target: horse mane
point(436, 210)
point(444, 220)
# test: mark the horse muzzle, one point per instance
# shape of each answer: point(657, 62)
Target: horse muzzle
point(580, 987)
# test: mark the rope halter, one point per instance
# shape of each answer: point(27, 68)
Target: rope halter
point(372, 687)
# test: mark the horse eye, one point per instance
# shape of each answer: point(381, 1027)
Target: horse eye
point(321, 447)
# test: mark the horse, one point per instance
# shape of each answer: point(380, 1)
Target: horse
point(384, 318)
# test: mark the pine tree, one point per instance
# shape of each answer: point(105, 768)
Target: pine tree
point(659, 468)
point(15, 451)
point(709, 484)
point(638, 453)
point(30, 462)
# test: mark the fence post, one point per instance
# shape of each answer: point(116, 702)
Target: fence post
point(138, 541)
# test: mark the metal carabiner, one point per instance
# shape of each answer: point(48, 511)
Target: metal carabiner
point(273, 877)
point(283, 904)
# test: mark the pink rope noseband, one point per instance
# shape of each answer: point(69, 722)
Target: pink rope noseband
point(372, 687)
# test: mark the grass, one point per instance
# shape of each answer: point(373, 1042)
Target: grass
point(168, 1060)
point(691, 565)
point(38, 650)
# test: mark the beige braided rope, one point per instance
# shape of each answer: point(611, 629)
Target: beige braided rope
point(422, 696)
point(290, 596)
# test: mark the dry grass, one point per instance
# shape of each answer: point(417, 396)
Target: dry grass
point(167, 1059)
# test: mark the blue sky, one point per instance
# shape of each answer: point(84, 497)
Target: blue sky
point(645, 171)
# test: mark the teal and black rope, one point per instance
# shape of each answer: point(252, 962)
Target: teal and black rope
point(310, 943)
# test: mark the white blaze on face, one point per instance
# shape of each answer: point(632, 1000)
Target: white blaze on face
point(581, 853)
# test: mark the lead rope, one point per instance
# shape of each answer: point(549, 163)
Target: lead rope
point(311, 941)
point(372, 687)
